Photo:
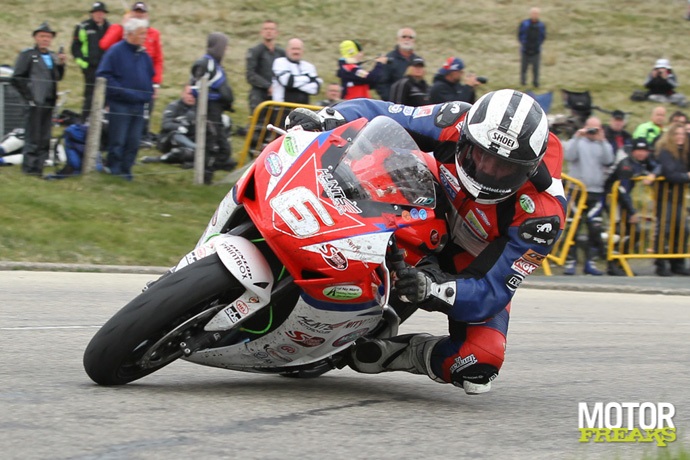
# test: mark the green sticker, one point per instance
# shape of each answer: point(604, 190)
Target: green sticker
point(527, 204)
point(342, 292)
point(290, 145)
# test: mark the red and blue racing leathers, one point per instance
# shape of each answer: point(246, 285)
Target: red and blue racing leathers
point(492, 247)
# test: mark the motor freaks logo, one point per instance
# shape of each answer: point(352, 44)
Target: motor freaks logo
point(627, 422)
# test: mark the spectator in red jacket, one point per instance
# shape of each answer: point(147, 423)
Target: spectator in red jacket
point(153, 47)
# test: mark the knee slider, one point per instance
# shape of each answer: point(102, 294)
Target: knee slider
point(479, 374)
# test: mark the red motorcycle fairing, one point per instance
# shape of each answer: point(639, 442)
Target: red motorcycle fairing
point(328, 212)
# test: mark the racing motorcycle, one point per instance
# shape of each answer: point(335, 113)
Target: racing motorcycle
point(295, 264)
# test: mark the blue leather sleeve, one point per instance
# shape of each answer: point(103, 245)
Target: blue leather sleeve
point(416, 119)
point(479, 299)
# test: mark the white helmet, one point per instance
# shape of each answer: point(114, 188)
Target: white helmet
point(502, 141)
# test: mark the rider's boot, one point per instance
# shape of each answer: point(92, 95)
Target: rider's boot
point(410, 353)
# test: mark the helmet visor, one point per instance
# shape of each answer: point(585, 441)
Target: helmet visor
point(490, 176)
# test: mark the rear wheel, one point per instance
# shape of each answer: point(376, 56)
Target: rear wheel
point(154, 329)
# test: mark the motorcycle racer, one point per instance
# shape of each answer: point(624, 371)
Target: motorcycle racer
point(499, 170)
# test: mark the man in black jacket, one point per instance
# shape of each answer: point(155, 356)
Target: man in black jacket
point(87, 54)
point(260, 64)
point(178, 131)
point(36, 73)
point(412, 89)
point(397, 62)
point(448, 86)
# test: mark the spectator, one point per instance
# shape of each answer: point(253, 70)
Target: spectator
point(86, 51)
point(153, 47)
point(412, 89)
point(294, 79)
point(260, 64)
point(220, 98)
point(661, 84)
point(333, 92)
point(448, 84)
point(618, 137)
point(356, 81)
point(129, 74)
point(588, 153)
point(637, 164)
point(531, 35)
point(178, 131)
point(398, 61)
point(652, 129)
point(36, 73)
point(673, 154)
point(678, 117)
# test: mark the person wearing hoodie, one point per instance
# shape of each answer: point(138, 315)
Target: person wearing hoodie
point(220, 99)
point(355, 80)
point(128, 71)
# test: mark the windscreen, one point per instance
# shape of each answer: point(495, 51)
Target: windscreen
point(383, 164)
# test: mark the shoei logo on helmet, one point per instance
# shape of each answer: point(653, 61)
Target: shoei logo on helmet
point(503, 139)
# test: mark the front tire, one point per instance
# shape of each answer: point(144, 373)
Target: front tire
point(120, 352)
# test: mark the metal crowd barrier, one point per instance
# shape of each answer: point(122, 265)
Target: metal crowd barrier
point(576, 194)
point(664, 217)
point(257, 134)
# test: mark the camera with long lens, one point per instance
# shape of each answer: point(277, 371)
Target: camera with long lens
point(592, 130)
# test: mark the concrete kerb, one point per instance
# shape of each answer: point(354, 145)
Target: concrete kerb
point(57, 267)
point(638, 285)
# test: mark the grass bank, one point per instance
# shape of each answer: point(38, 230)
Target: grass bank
point(102, 219)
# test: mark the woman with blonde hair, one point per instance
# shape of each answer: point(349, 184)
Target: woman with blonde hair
point(673, 154)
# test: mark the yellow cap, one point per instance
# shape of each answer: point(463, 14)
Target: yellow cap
point(349, 49)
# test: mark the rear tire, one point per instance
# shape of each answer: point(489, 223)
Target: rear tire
point(115, 355)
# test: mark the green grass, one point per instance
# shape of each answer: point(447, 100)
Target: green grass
point(99, 219)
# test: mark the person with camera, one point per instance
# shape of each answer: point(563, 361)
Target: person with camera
point(661, 84)
point(448, 86)
point(588, 155)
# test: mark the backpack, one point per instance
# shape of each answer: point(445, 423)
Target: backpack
point(74, 141)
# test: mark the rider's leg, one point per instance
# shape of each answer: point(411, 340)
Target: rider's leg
point(470, 357)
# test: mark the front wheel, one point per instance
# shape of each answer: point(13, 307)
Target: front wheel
point(145, 335)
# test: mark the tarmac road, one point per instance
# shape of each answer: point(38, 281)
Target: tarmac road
point(564, 347)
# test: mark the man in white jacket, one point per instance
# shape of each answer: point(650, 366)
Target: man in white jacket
point(294, 79)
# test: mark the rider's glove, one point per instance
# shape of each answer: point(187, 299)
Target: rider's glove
point(324, 120)
point(182, 130)
point(305, 118)
point(427, 286)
